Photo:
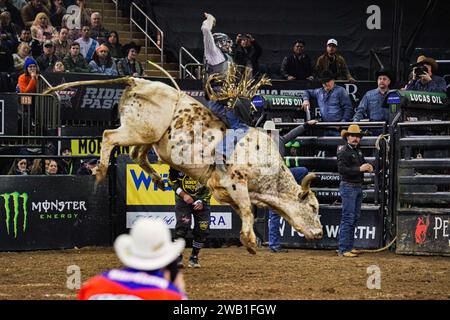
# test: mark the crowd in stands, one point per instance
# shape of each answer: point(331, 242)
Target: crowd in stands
point(59, 36)
point(66, 166)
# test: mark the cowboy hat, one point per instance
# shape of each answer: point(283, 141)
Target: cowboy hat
point(387, 73)
point(129, 46)
point(352, 129)
point(148, 246)
point(422, 60)
point(269, 125)
point(326, 76)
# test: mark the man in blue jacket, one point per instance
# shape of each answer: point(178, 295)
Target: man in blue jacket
point(334, 102)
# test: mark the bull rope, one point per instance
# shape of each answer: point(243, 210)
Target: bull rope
point(378, 250)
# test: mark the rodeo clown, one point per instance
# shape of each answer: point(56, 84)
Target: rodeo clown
point(191, 199)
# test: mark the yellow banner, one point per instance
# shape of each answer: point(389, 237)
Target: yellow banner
point(83, 147)
point(142, 191)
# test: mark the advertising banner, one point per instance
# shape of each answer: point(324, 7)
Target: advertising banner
point(53, 212)
point(138, 197)
point(423, 232)
point(9, 113)
point(368, 230)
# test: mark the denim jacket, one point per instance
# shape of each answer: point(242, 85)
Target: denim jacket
point(335, 105)
point(371, 107)
point(437, 84)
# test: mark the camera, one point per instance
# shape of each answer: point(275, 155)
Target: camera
point(420, 70)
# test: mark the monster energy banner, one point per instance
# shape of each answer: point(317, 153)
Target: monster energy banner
point(52, 212)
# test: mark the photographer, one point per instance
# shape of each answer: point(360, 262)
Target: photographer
point(150, 272)
point(423, 78)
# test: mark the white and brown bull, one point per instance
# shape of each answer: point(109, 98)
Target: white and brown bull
point(153, 114)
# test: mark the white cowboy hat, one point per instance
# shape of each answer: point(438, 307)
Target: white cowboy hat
point(148, 246)
point(269, 125)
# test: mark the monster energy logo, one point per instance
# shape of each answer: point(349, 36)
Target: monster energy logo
point(16, 203)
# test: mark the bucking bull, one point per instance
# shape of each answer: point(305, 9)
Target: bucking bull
point(154, 114)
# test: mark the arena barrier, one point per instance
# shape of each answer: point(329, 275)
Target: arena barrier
point(421, 174)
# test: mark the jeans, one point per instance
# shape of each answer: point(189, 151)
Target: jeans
point(274, 219)
point(239, 129)
point(351, 209)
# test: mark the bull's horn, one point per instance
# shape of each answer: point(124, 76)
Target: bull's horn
point(123, 80)
point(306, 182)
point(166, 73)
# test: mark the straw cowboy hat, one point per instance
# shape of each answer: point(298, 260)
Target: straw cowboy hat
point(269, 125)
point(422, 60)
point(352, 129)
point(149, 246)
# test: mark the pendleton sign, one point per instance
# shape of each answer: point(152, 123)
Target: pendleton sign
point(52, 212)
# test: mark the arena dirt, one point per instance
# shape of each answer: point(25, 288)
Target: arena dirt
point(232, 273)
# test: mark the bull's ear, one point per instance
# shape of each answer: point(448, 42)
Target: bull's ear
point(302, 195)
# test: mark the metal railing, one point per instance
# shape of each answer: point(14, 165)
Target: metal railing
point(159, 43)
point(184, 68)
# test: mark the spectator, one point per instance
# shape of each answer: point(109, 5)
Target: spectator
point(150, 272)
point(47, 60)
point(28, 80)
point(7, 6)
point(87, 44)
point(36, 48)
point(6, 59)
point(19, 168)
point(247, 52)
point(87, 167)
point(130, 65)
point(52, 168)
point(68, 165)
point(30, 11)
point(298, 172)
point(74, 61)
point(98, 32)
point(423, 78)
point(59, 67)
point(191, 200)
point(62, 44)
point(113, 43)
point(334, 102)
point(36, 168)
point(333, 62)
point(102, 62)
point(57, 12)
point(42, 29)
point(23, 51)
point(9, 31)
point(298, 65)
point(351, 167)
point(371, 105)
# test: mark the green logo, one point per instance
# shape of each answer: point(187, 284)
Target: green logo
point(15, 201)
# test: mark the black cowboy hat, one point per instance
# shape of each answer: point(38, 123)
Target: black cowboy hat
point(387, 73)
point(129, 46)
point(326, 76)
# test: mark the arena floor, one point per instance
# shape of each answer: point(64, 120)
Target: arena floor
point(232, 273)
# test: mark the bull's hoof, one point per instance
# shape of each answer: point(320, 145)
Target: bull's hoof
point(251, 250)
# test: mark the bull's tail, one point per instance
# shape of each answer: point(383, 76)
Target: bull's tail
point(124, 80)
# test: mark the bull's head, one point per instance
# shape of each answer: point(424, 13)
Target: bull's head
point(305, 217)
